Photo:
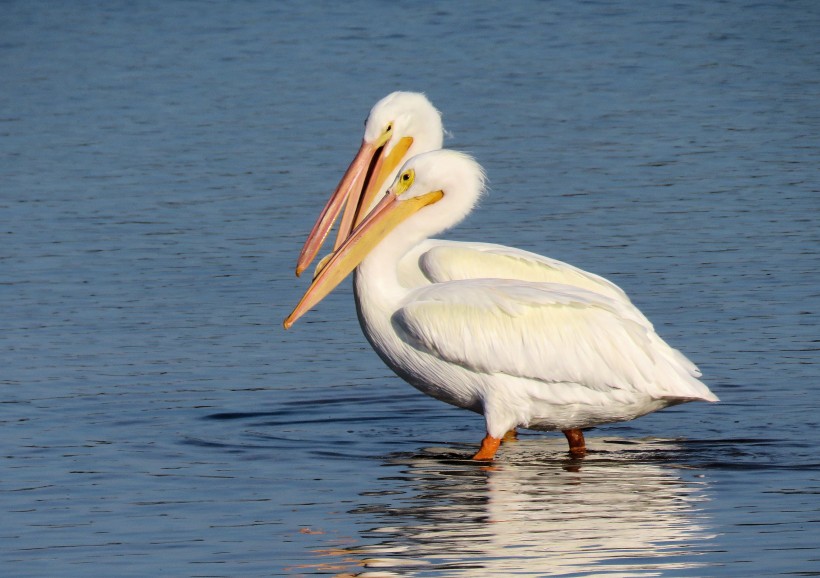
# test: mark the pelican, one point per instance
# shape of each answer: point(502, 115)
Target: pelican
point(534, 354)
point(400, 126)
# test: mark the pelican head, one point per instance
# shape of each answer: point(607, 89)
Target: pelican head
point(451, 180)
point(402, 115)
point(399, 126)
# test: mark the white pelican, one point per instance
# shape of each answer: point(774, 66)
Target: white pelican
point(399, 126)
point(538, 355)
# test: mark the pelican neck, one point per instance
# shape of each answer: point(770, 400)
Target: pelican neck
point(377, 275)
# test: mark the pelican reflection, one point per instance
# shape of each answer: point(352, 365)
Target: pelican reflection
point(622, 511)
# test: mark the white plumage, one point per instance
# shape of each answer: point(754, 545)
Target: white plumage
point(560, 350)
point(400, 126)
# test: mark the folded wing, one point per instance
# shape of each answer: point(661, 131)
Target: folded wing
point(548, 332)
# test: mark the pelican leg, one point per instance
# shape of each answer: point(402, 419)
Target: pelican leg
point(510, 436)
point(489, 445)
point(577, 446)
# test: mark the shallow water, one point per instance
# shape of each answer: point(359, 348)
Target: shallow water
point(161, 164)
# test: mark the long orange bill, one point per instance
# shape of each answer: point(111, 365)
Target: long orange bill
point(385, 165)
point(385, 217)
point(349, 187)
point(357, 191)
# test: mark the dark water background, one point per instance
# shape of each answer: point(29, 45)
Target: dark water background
point(160, 164)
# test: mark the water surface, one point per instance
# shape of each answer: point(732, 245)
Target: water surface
point(161, 164)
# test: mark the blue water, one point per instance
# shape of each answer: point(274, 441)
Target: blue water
point(160, 165)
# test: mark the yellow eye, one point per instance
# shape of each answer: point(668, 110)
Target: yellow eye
point(405, 180)
point(386, 135)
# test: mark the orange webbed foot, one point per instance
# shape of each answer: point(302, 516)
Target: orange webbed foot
point(489, 445)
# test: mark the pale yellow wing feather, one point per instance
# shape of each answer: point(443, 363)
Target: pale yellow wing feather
point(450, 261)
point(548, 332)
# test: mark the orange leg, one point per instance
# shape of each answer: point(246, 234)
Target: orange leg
point(577, 446)
point(489, 445)
point(510, 436)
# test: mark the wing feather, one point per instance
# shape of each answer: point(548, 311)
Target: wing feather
point(548, 332)
point(443, 261)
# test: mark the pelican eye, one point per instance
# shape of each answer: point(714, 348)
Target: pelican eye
point(386, 135)
point(405, 180)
